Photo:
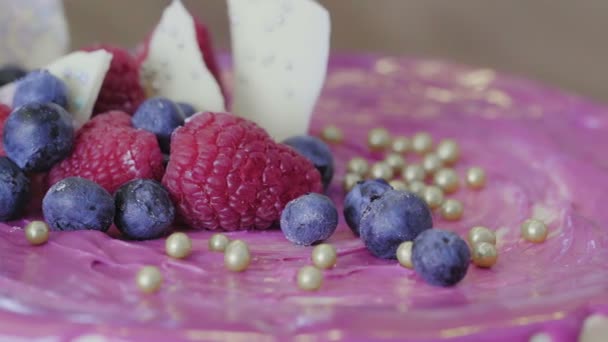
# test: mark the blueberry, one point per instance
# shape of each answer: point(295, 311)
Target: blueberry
point(309, 219)
point(76, 203)
point(10, 73)
point(36, 136)
point(143, 209)
point(187, 109)
point(440, 257)
point(357, 199)
point(14, 190)
point(315, 150)
point(42, 87)
point(394, 217)
point(160, 116)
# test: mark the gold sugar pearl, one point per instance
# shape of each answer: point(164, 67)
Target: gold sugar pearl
point(381, 170)
point(398, 184)
point(451, 209)
point(149, 279)
point(310, 278)
point(37, 232)
point(433, 196)
point(448, 151)
point(431, 163)
point(401, 145)
point(479, 234)
point(413, 172)
point(218, 242)
point(476, 178)
point(350, 180)
point(422, 142)
point(358, 165)
point(178, 245)
point(484, 254)
point(396, 161)
point(378, 139)
point(417, 187)
point(447, 179)
point(324, 256)
point(404, 254)
point(332, 134)
point(534, 230)
point(237, 256)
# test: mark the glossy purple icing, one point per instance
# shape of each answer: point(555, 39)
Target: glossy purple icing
point(544, 155)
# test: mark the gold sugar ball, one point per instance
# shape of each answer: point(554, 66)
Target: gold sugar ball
point(431, 163)
point(350, 180)
point(417, 187)
point(396, 161)
point(37, 232)
point(332, 134)
point(381, 170)
point(398, 184)
point(479, 234)
point(534, 230)
point(324, 256)
point(413, 172)
point(310, 278)
point(476, 178)
point(404, 254)
point(422, 142)
point(218, 242)
point(149, 279)
point(433, 196)
point(448, 151)
point(451, 209)
point(447, 179)
point(237, 257)
point(401, 145)
point(378, 139)
point(178, 245)
point(358, 166)
point(484, 254)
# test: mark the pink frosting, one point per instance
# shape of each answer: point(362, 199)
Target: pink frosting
point(538, 146)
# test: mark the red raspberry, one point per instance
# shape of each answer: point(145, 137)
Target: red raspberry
point(226, 172)
point(121, 89)
point(4, 112)
point(108, 151)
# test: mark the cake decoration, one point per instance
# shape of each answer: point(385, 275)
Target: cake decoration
point(378, 139)
point(149, 279)
point(309, 278)
point(422, 142)
point(358, 165)
point(440, 257)
point(395, 161)
point(447, 179)
point(448, 151)
point(218, 242)
point(433, 196)
point(359, 198)
point(398, 184)
point(452, 209)
point(37, 232)
point(178, 245)
point(404, 254)
point(237, 256)
point(349, 181)
point(534, 230)
point(476, 177)
point(484, 254)
point(332, 134)
point(413, 173)
point(401, 144)
point(479, 234)
point(431, 163)
point(381, 170)
point(324, 256)
point(160, 116)
point(40, 86)
point(309, 219)
point(279, 50)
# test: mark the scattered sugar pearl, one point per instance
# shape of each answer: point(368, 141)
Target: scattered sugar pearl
point(401, 145)
point(447, 179)
point(476, 178)
point(479, 234)
point(433, 196)
point(237, 256)
point(324, 256)
point(451, 209)
point(149, 279)
point(381, 170)
point(417, 187)
point(358, 165)
point(37, 232)
point(332, 134)
point(378, 139)
point(543, 337)
point(396, 161)
point(413, 172)
point(350, 179)
point(218, 242)
point(431, 163)
point(534, 230)
point(178, 245)
point(422, 142)
point(484, 254)
point(404, 254)
point(448, 151)
point(310, 278)
point(398, 184)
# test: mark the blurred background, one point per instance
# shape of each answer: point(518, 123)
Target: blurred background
point(561, 42)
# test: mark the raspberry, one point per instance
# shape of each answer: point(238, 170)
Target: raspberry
point(121, 89)
point(4, 113)
point(225, 172)
point(108, 151)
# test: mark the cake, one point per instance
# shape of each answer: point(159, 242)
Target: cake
point(534, 142)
